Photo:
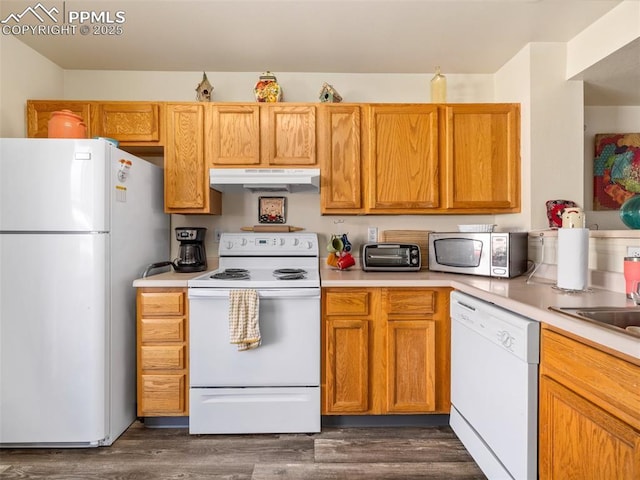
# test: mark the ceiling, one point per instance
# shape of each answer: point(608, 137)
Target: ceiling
point(347, 36)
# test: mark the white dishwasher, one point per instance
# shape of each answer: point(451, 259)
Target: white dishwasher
point(494, 387)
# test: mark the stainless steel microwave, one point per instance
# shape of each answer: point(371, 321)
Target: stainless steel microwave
point(390, 257)
point(489, 254)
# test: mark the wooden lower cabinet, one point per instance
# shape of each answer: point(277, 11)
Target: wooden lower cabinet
point(385, 351)
point(589, 412)
point(162, 352)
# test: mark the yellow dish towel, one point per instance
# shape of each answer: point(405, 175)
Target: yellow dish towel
point(244, 329)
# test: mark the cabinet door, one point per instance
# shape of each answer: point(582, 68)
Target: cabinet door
point(186, 172)
point(234, 136)
point(403, 158)
point(39, 112)
point(482, 158)
point(128, 122)
point(409, 345)
point(411, 372)
point(340, 161)
point(347, 342)
point(288, 135)
point(347, 365)
point(580, 440)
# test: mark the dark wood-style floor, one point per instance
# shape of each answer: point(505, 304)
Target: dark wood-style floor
point(335, 453)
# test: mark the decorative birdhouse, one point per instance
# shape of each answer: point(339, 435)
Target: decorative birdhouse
point(204, 89)
point(329, 94)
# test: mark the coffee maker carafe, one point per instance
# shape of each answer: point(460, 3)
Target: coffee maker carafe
point(191, 254)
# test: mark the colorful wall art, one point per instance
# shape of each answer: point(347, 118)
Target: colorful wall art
point(616, 169)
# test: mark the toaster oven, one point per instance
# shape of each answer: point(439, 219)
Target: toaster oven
point(390, 257)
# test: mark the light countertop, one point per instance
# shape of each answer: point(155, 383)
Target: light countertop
point(531, 299)
point(172, 278)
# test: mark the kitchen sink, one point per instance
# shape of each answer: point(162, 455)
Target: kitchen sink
point(624, 319)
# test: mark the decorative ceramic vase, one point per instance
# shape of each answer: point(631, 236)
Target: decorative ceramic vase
point(630, 212)
point(66, 124)
point(438, 87)
point(267, 88)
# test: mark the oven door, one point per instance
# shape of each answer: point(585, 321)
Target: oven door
point(289, 354)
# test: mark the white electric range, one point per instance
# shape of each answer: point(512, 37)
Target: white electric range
point(274, 388)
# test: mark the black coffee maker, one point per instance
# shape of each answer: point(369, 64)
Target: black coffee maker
point(192, 256)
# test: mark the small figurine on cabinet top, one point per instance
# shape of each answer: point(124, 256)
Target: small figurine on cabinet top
point(329, 94)
point(204, 89)
point(267, 88)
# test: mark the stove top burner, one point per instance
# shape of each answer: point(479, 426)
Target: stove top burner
point(290, 273)
point(232, 274)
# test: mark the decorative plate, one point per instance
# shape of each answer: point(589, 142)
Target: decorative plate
point(271, 209)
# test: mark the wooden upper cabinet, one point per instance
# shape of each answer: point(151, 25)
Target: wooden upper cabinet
point(128, 122)
point(339, 153)
point(403, 158)
point(288, 135)
point(131, 123)
point(481, 153)
point(262, 135)
point(234, 135)
point(39, 112)
point(186, 172)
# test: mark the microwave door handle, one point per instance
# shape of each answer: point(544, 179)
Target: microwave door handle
point(383, 257)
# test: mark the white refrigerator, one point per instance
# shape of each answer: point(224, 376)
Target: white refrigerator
point(79, 221)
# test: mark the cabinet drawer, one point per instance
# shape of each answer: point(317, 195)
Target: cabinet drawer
point(166, 303)
point(410, 302)
point(162, 329)
point(347, 302)
point(162, 394)
point(162, 357)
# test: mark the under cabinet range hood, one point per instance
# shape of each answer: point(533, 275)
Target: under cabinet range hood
point(265, 179)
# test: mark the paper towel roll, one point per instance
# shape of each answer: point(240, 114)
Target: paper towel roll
point(573, 258)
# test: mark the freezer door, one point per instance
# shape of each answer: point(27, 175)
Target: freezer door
point(53, 185)
point(53, 338)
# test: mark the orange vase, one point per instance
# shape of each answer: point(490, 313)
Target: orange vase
point(66, 124)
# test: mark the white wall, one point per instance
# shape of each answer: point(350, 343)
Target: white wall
point(551, 126)
point(617, 28)
point(297, 87)
point(24, 74)
point(557, 109)
point(513, 84)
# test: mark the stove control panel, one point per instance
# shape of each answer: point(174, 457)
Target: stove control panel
point(268, 244)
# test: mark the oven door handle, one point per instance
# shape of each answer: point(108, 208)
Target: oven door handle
point(266, 294)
